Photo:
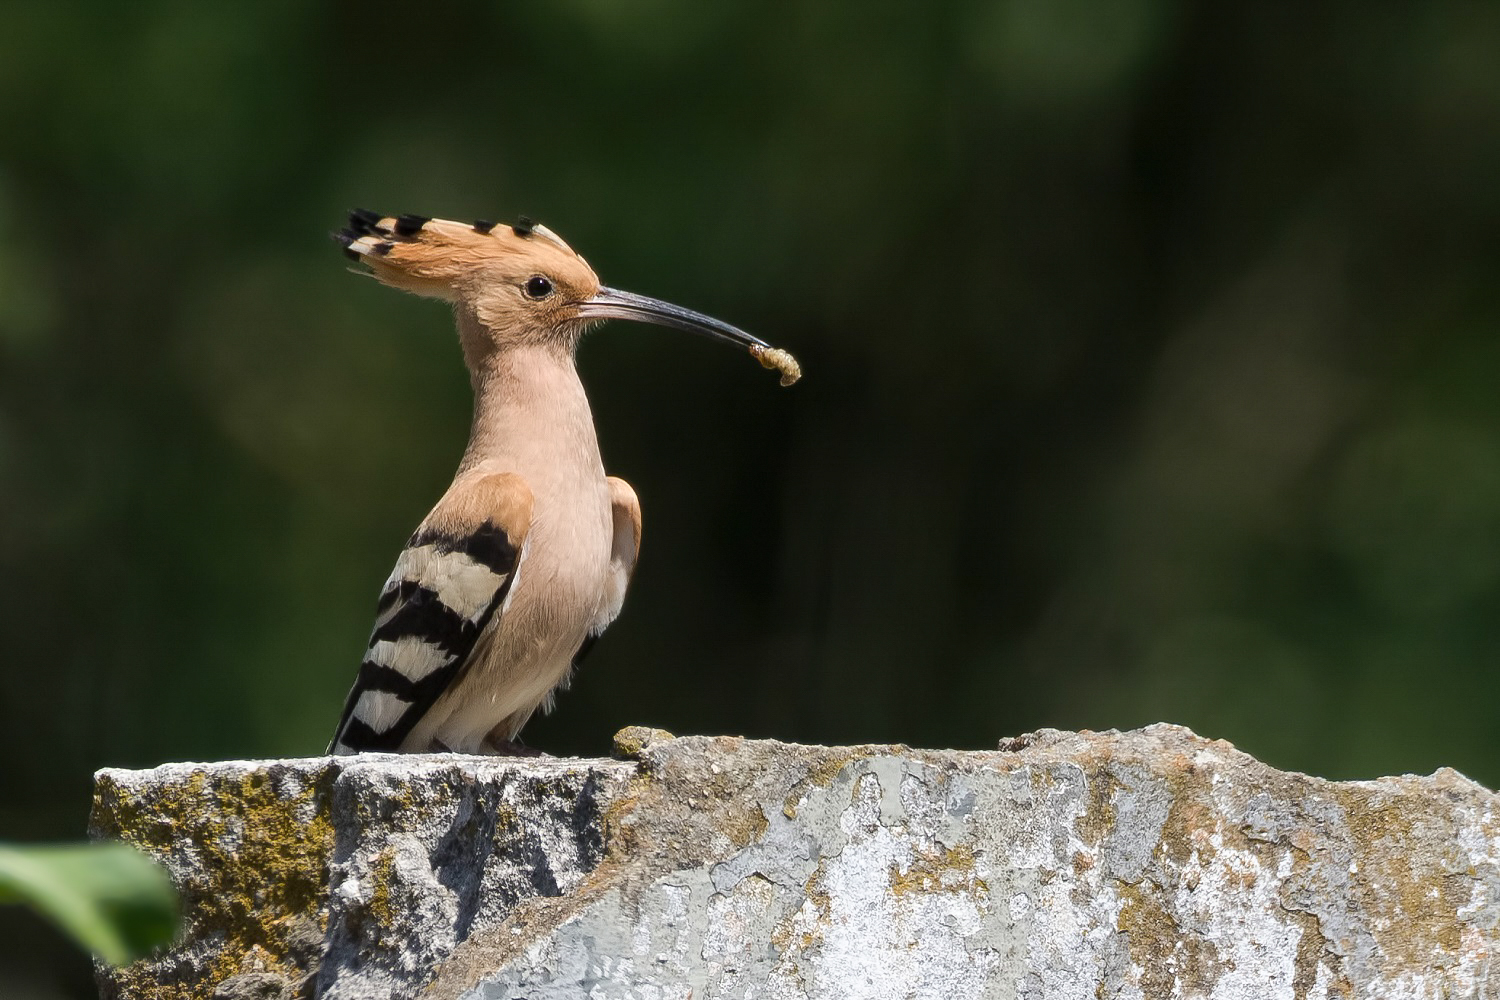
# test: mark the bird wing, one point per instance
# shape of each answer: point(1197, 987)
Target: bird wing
point(625, 510)
point(450, 583)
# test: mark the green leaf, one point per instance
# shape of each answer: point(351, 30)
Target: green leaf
point(111, 898)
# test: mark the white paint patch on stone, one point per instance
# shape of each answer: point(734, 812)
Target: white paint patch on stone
point(863, 937)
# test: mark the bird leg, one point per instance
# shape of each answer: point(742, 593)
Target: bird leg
point(508, 748)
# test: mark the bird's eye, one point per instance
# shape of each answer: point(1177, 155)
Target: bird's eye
point(538, 287)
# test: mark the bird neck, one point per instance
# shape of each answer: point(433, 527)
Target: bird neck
point(531, 416)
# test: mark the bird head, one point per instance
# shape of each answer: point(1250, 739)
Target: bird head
point(521, 284)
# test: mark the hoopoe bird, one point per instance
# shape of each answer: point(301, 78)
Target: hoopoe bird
point(524, 561)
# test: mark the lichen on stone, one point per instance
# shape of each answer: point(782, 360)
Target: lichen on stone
point(257, 842)
point(1067, 865)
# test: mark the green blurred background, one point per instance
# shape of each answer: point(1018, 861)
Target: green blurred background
point(1151, 351)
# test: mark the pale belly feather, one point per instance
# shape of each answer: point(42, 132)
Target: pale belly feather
point(528, 647)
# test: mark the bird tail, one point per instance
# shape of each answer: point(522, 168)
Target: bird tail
point(433, 257)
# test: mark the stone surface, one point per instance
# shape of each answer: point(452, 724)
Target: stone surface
point(1132, 865)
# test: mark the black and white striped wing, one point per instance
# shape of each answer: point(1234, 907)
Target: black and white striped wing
point(444, 591)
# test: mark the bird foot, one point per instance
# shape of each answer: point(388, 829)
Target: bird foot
point(511, 748)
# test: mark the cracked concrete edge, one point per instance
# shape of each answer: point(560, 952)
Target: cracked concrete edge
point(291, 868)
point(1127, 863)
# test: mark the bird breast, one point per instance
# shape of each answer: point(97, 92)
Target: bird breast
point(564, 561)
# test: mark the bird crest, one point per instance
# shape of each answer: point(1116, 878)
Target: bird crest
point(443, 259)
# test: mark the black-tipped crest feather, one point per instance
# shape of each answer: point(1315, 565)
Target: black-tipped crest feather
point(410, 225)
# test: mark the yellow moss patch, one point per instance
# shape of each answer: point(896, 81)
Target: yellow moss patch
point(1192, 820)
point(822, 904)
point(1098, 819)
point(1172, 963)
point(381, 874)
point(263, 858)
point(1415, 901)
point(632, 741)
point(820, 774)
point(744, 826)
point(950, 871)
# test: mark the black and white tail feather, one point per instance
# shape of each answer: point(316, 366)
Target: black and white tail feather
point(441, 596)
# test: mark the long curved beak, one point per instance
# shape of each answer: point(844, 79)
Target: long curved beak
point(611, 303)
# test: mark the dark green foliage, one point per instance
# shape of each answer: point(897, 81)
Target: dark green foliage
point(109, 898)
